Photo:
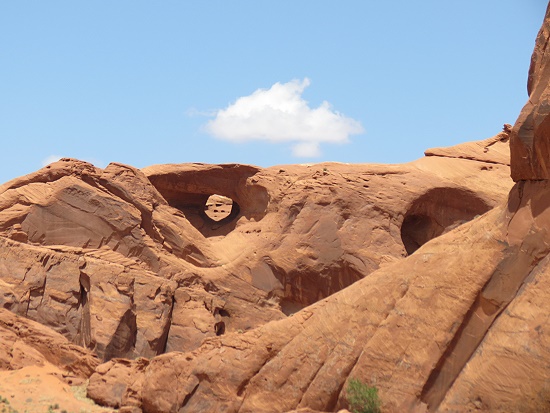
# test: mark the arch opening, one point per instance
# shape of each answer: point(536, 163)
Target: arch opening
point(218, 207)
point(436, 212)
point(204, 212)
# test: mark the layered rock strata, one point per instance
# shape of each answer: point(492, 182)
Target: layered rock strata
point(459, 325)
point(255, 311)
point(128, 263)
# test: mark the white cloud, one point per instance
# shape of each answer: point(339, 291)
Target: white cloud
point(280, 114)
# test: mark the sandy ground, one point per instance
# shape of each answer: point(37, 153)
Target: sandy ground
point(41, 390)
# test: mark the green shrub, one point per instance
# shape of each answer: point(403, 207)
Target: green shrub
point(362, 398)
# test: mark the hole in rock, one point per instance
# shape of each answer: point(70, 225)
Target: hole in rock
point(213, 197)
point(212, 215)
point(289, 307)
point(218, 207)
point(222, 317)
point(219, 328)
point(438, 211)
point(221, 312)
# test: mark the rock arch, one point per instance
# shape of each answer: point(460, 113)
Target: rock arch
point(438, 211)
point(188, 188)
point(220, 208)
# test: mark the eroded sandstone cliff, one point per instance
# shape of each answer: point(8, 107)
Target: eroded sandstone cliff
point(239, 289)
point(127, 263)
point(135, 264)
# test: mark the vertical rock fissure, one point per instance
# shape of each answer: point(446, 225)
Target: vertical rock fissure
point(241, 390)
point(166, 333)
point(85, 328)
point(189, 395)
point(124, 339)
point(312, 379)
point(340, 393)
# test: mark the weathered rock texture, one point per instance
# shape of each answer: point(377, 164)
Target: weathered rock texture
point(459, 325)
point(40, 368)
point(129, 263)
point(437, 331)
point(529, 144)
point(249, 312)
point(27, 343)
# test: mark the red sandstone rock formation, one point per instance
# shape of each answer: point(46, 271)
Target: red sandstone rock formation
point(129, 263)
point(250, 312)
point(460, 325)
point(409, 329)
point(27, 343)
point(40, 368)
point(529, 144)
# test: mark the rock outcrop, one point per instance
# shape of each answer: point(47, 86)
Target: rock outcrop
point(129, 263)
point(40, 368)
point(27, 343)
point(133, 264)
point(416, 329)
point(239, 289)
point(529, 145)
point(459, 325)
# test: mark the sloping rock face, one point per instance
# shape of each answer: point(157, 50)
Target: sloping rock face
point(27, 343)
point(529, 143)
point(129, 263)
point(418, 330)
point(40, 368)
point(508, 325)
point(492, 150)
point(254, 310)
point(459, 325)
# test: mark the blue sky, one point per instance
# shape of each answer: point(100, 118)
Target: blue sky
point(258, 82)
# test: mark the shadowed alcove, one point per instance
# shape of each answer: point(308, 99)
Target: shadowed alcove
point(438, 211)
